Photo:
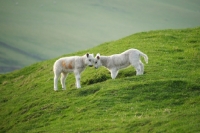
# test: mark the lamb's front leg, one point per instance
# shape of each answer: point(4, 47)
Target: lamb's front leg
point(78, 78)
point(114, 73)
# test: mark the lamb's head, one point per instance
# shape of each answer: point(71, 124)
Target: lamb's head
point(97, 61)
point(90, 59)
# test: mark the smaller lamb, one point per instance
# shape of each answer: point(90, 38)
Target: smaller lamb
point(75, 64)
point(118, 61)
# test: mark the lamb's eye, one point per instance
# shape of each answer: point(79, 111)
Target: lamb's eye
point(90, 60)
point(96, 62)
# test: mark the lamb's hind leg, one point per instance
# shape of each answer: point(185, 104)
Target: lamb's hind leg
point(63, 79)
point(56, 76)
point(138, 68)
point(141, 68)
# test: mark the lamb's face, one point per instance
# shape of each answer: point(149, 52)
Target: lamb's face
point(97, 62)
point(90, 59)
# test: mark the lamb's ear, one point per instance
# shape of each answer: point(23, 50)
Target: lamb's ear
point(87, 55)
point(98, 57)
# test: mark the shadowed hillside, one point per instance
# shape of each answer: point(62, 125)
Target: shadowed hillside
point(38, 30)
point(165, 99)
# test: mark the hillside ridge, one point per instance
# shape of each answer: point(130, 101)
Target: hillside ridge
point(165, 99)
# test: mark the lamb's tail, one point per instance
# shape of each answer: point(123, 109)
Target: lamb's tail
point(145, 57)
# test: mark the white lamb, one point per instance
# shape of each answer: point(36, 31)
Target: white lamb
point(118, 61)
point(74, 64)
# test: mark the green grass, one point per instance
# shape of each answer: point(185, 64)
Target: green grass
point(165, 99)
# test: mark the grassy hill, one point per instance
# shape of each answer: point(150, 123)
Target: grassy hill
point(165, 99)
point(37, 30)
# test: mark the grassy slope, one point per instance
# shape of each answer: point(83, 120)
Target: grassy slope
point(165, 99)
point(41, 29)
